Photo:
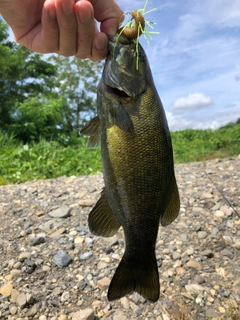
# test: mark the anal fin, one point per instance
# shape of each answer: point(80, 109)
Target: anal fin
point(101, 220)
point(173, 206)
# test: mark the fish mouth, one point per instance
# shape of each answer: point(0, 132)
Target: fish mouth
point(121, 94)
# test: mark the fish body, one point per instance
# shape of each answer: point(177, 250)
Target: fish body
point(137, 160)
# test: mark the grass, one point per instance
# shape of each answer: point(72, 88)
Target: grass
point(199, 145)
point(45, 160)
point(50, 159)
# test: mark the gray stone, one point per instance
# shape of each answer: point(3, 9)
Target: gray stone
point(23, 256)
point(22, 300)
point(199, 279)
point(61, 259)
point(86, 255)
point(208, 253)
point(37, 240)
point(125, 302)
point(202, 234)
point(62, 212)
point(211, 313)
point(86, 314)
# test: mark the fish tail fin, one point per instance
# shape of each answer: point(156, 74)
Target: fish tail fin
point(130, 277)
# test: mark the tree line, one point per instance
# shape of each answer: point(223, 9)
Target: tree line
point(44, 96)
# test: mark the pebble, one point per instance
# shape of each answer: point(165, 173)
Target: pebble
point(6, 290)
point(22, 300)
point(86, 255)
point(194, 264)
point(57, 232)
point(202, 234)
point(125, 302)
point(86, 314)
point(211, 313)
point(23, 256)
point(62, 212)
point(61, 259)
point(103, 283)
point(198, 279)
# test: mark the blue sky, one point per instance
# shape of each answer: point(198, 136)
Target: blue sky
point(195, 60)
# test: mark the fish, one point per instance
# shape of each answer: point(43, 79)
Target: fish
point(140, 189)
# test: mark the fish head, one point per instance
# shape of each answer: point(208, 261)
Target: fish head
point(122, 77)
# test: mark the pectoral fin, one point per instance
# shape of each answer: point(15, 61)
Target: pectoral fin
point(101, 220)
point(93, 130)
point(173, 207)
point(122, 118)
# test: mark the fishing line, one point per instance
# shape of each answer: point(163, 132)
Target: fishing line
point(222, 194)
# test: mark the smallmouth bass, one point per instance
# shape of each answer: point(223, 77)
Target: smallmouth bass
point(137, 160)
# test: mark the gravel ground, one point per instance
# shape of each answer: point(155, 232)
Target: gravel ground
point(53, 268)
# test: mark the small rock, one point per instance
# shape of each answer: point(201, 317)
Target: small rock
point(211, 313)
point(119, 316)
point(237, 245)
point(15, 273)
point(78, 240)
point(65, 296)
point(37, 240)
point(103, 283)
point(6, 290)
point(23, 256)
point(86, 255)
point(8, 277)
point(176, 255)
point(226, 252)
point(22, 300)
point(42, 317)
point(125, 303)
point(13, 310)
point(194, 264)
point(29, 298)
point(61, 259)
point(14, 295)
point(199, 279)
point(194, 288)
point(219, 214)
point(86, 314)
point(207, 253)
point(202, 234)
point(57, 233)
point(40, 214)
point(32, 311)
point(62, 317)
point(190, 251)
point(87, 203)
point(62, 212)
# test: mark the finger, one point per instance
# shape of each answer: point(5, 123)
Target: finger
point(67, 27)
point(49, 36)
point(85, 29)
point(100, 47)
point(109, 14)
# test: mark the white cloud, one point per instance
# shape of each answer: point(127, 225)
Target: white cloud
point(193, 101)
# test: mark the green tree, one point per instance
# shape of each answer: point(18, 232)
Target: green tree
point(41, 97)
point(23, 74)
point(77, 83)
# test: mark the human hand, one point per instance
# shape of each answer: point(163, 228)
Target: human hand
point(63, 26)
